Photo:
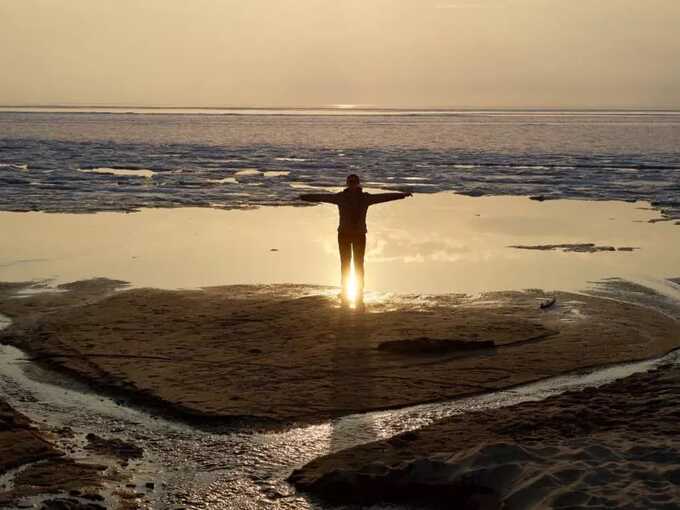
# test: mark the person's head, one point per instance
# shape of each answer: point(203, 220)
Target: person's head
point(353, 181)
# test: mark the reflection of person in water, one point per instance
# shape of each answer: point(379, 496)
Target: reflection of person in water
point(352, 204)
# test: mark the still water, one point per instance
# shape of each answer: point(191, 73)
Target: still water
point(436, 243)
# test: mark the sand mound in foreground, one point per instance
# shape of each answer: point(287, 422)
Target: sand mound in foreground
point(263, 352)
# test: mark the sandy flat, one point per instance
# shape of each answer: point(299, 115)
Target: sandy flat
point(267, 353)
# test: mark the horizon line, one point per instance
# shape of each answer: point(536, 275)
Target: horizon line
point(352, 107)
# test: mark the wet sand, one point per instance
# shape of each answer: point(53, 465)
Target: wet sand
point(35, 471)
point(277, 356)
point(617, 446)
point(19, 443)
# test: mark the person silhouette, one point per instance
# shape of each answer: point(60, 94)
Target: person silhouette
point(352, 204)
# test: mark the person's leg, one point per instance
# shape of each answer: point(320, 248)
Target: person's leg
point(345, 247)
point(358, 251)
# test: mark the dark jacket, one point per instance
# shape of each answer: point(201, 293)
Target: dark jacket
point(352, 205)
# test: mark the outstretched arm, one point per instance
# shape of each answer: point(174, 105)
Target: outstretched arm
point(387, 197)
point(329, 198)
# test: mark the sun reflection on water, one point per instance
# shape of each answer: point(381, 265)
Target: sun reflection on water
point(351, 290)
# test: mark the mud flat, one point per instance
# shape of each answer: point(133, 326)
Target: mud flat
point(281, 355)
point(617, 446)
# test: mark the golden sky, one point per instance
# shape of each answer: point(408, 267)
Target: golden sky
point(411, 53)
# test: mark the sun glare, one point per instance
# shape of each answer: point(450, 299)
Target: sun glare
point(352, 288)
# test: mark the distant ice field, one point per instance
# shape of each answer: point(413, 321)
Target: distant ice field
point(88, 162)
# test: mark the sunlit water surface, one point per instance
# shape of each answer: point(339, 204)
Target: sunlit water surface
point(437, 243)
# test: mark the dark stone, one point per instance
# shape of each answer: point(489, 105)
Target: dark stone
point(429, 346)
point(548, 303)
point(116, 447)
point(396, 485)
point(69, 504)
point(93, 496)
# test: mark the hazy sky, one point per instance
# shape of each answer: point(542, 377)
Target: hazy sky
point(476, 53)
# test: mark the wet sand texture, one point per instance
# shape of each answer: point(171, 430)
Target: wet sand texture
point(617, 446)
point(19, 442)
point(42, 469)
point(261, 352)
point(66, 479)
